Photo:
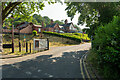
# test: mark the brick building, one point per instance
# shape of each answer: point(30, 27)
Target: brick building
point(24, 27)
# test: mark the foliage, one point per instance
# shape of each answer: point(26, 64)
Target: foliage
point(93, 14)
point(34, 32)
point(59, 22)
point(78, 28)
point(106, 45)
point(73, 36)
point(23, 10)
point(20, 8)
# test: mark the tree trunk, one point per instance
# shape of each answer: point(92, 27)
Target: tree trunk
point(1, 30)
point(9, 9)
point(1, 43)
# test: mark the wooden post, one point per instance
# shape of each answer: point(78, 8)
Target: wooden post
point(19, 41)
point(30, 47)
point(19, 46)
point(12, 38)
point(26, 46)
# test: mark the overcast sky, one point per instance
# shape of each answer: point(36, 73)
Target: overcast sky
point(57, 12)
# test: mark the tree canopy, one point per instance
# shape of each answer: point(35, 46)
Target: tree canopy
point(24, 9)
point(93, 14)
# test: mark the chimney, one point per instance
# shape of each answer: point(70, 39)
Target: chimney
point(51, 21)
point(66, 21)
point(42, 24)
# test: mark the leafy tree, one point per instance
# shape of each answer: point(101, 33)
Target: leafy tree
point(93, 14)
point(38, 18)
point(46, 20)
point(18, 9)
point(21, 9)
point(59, 22)
point(78, 28)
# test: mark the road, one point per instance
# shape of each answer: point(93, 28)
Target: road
point(58, 62)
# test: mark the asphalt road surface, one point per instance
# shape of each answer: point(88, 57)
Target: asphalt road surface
point(58, 62)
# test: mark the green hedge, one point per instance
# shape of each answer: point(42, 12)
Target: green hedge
point(71, 36)
point(106, 43)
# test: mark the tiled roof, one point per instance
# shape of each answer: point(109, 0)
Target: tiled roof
point(66, 25)
point(51, 25)
point(23, 25)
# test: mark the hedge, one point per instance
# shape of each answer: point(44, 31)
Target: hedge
point(71, 36)
point(106, 44)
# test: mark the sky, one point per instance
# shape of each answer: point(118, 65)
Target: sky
point(57, 12)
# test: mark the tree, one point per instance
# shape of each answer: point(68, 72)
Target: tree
point(18, 9)
point(21, 8)
point(47, 20)
point(93, 14)
point(59, 22)
point(78, 28)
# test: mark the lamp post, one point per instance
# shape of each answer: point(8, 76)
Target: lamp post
point(12, 35)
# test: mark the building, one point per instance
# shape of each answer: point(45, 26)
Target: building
point(53, 27)
point(68, 27)
point(25, 28)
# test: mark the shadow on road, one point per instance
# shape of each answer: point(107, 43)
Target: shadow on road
point(44, 66)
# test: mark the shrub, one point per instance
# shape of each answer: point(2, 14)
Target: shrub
point(65, 35)
point(107, 45)
point(34, 32)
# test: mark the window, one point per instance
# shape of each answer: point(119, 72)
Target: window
point(39, 29)
point(36, 44)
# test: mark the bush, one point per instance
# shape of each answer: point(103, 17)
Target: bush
point(73, 36)
point(65, 35)
point(106, 43)
point(34, 32)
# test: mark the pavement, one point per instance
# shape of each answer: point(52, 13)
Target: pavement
point(6, 56)
point(58, 62)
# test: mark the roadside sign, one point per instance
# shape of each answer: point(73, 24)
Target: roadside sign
point(7, 45)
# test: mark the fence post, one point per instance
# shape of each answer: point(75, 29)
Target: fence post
point(30, 47)
point(26, 46)
point(19, 46)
